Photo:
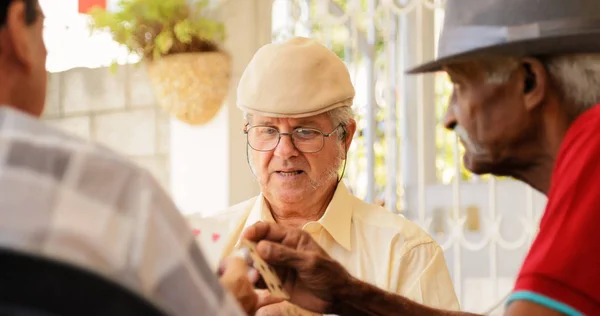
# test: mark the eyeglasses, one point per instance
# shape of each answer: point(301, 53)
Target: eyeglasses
point(306, 140)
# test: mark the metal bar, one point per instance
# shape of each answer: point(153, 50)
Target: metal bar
point(456, 249)
point(370, 126)
point(391, 138)
point(405, 151)
point(420, 121)
point(493, 241)
point(529, 211)
point(361, 37)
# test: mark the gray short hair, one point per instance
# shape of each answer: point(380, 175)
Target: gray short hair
point(577, 76)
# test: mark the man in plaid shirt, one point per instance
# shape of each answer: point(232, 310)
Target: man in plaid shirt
point(81, 204)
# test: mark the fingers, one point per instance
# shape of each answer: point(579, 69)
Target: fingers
point(291, 237)
point(263, 230)
point(265, 298)
point(253, 274)
point(277, 254)
point(235, 280)
point(277, 309)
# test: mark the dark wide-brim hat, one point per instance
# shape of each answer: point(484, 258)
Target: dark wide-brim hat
point(475, 29)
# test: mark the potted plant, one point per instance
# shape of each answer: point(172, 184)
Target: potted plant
point(180, 44)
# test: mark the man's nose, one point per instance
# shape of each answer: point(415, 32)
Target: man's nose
point(449, 120)
point(286, 149)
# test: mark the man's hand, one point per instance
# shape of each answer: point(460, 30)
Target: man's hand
point(282, 309)
point(239, 279)
point(272, 306)
point(308, 274)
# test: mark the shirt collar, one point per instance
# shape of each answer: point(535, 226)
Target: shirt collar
point(337, 219)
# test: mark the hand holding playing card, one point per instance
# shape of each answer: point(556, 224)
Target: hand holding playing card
point(238, 279)
point(308, 274)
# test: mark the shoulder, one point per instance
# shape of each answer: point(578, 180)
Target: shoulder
point(582, 138)
point(44, 153)
point(28, 133)
point(572, 212)
point(400, 231)
point(576, 165)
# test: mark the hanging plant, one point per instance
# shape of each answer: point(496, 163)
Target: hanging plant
point(181, 46)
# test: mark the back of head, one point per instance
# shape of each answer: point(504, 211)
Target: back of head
point(22, 56)
point(296, 78)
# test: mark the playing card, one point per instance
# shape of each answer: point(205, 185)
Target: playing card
point(211, 235)
point(267, 272)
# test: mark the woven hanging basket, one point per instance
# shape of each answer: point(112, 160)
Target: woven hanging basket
point(191, 86)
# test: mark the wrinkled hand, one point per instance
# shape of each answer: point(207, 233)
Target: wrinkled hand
point(284, 308)
point(277, 309)
point(309, 274)
point(239, 279)
point(269, 305)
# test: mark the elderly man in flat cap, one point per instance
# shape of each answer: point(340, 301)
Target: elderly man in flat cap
point(297, 98)
point(526, 103)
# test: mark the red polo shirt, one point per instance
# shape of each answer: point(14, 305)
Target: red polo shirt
point(562, 269)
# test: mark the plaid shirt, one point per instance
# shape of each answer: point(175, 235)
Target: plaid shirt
point(70, 200)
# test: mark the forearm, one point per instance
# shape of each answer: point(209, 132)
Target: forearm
point(362, 299)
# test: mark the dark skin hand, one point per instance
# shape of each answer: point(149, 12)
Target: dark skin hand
point(318, 283)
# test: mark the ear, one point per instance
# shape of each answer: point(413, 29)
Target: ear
point(350, 129)
point(535, 81)
point(17, 33)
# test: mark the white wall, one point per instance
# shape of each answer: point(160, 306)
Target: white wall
point(208, 163)
point(115, 109)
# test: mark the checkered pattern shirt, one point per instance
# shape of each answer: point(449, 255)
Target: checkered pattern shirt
point(80, 203)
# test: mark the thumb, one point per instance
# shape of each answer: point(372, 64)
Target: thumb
point(278, 254)
point(235, 268)
point(265, 298)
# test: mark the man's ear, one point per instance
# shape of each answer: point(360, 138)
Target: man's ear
point(17, 35)
point(535, 81)
point(350, 129)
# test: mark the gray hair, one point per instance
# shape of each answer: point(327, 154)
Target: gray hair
point(577, 76)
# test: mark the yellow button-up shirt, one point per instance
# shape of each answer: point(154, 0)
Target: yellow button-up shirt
point(375, 246)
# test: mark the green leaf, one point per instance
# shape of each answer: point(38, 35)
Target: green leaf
point(114, 67)
point(183, 31)
point(154, 28)
point(164, 41)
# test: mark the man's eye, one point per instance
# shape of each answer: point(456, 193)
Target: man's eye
point(305, 132)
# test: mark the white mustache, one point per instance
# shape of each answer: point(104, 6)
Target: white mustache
point(469, 144)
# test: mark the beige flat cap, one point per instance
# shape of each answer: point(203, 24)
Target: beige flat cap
point(296, 78)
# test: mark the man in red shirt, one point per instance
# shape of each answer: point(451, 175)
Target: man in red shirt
point(525, 104)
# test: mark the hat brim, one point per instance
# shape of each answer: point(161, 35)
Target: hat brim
point(580, 43)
